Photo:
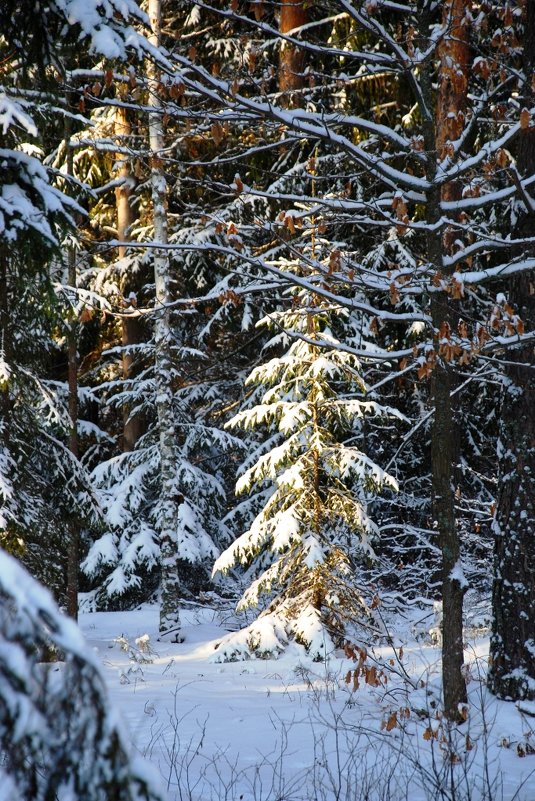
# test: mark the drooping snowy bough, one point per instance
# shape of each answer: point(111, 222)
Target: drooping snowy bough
point(59, 736)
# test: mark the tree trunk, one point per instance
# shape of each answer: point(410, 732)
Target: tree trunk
point(443, 459)
point(73, 549)
point(512, 647)
point(293, 14)
point(5, 349)
point(169, 499)
point(132, 329)
point(451, 103)
point(5, 331)
point(73, 555)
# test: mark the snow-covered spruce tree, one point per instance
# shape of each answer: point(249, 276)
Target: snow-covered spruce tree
point(44, 488)
point(313, 481)
point(59, 737)
point(41, 484)
point(124, 562)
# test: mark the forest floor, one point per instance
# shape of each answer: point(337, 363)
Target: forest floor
point(294, 730)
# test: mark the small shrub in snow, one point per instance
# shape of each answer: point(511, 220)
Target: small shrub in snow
point(141, 652)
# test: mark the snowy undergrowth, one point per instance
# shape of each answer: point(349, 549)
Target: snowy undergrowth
point(364, 724)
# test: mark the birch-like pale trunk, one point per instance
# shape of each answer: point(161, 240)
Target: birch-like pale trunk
point(73, 550)
point(170, 588)
point(73, 544)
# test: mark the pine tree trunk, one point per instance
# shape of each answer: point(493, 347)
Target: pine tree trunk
point(450, 107)
point(132, 330)
point(512, 647)
point(169, 502)
point(293, 14)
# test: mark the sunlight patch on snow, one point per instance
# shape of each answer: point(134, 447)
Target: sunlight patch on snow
point(247, 707)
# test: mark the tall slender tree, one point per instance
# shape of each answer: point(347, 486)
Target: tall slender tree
point(132, 333)
point(453, 53)
point(170, 499)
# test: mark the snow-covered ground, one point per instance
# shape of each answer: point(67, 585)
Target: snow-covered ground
point(294, 730)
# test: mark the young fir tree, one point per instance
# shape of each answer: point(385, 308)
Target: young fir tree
point(124, 562)
point(313, 481)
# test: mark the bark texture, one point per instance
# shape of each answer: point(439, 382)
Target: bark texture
point(454, 54)
point(512, 648)
point(132, 330)
point(293, 14)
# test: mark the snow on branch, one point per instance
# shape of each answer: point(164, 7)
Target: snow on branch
point(59, 734)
